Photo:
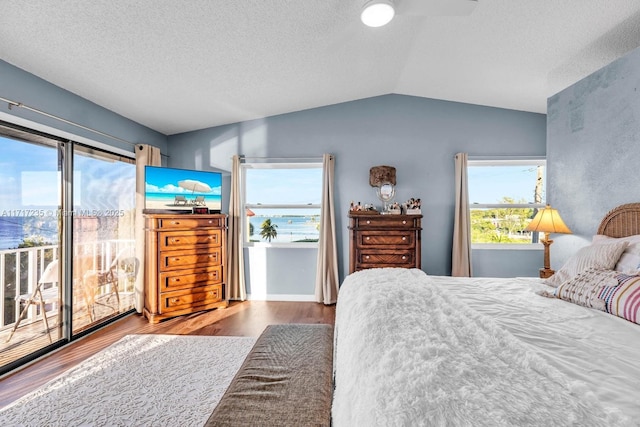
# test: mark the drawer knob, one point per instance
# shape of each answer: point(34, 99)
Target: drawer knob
point(368, 222)
point(367, 257)
point(368, 237)
point(175, 222)
point(404, 221)
point(174, 300)
point(176, 279)
point(175, 240)
point(210, 221)
point(404, 237)
point(404, 257)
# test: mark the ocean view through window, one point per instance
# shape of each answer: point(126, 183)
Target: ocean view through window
point(282, 202)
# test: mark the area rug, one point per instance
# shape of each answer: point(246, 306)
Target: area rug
point(140, 380)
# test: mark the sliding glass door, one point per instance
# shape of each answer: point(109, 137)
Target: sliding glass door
point(29, 246)
point(67, 262)
point(104, 262)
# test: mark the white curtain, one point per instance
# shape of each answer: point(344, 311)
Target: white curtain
point(146, 155)
point(327, 282)
point(461, 253)
point(235, 257)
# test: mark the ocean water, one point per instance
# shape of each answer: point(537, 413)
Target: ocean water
point(290, 228)
point(11, 232)
point(14, 229)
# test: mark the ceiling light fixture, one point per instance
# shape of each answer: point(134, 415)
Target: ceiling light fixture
point(376, 13)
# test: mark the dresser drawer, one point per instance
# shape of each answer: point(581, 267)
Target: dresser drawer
point(387, 222)
point(191, 278)
point(380, 258)
point(168, 240)
point(189, 298)
point(189, 223)
point(172, 260)
point(397, 239)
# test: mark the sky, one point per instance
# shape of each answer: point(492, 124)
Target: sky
point(29, 179)
point(490, 184)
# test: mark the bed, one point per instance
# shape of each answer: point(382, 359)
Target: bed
point(412, 349)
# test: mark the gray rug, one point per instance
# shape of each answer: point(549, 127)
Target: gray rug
point(140, 380)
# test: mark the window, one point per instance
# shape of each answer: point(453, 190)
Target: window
point(504, 196)
point(282, 203)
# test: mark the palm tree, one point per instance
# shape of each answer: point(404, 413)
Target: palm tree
point(268, 230)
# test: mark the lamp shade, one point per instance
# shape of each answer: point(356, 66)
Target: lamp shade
point(548, 220)
point(379, 175)
point(376, 13)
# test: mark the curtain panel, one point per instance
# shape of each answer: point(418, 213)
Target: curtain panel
point(235, 255)
point(327, 281)
point(146, 155)
point(461, 252)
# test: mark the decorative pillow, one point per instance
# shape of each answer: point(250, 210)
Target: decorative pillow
point(629, 261)
point(586, 287)
point(602, 256)
point(623, 299)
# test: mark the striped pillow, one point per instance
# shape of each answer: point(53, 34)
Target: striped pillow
point(593, 256)
point(623, 300)
point(586, 287)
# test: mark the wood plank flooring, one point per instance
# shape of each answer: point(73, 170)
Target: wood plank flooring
point(248, 318)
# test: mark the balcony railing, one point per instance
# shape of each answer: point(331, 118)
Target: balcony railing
point(21, 269)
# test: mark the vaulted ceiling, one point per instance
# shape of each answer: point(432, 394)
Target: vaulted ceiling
point(177, 66)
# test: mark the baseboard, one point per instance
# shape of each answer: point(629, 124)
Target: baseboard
point(282, 297)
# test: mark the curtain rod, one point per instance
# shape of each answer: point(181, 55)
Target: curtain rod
point(504, 157)
point(35, 110)
point(281, 158)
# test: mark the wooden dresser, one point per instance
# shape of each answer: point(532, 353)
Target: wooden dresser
point(185, 264)
point(384, 241)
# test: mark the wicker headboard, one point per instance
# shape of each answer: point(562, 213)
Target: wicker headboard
point(622, 221)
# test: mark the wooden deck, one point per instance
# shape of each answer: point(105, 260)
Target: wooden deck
point(33, 336)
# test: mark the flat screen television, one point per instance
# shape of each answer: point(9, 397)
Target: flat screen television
point(171, 190)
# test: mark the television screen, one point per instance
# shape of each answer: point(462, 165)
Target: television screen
point(173, 190)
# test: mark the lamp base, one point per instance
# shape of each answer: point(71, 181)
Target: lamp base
point(545, 273)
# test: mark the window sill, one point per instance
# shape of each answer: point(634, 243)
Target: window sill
point(298, 245)
point(508, 246)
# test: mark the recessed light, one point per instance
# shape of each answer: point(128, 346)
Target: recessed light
point(376, 13)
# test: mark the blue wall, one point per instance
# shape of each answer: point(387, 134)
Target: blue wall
point(593, 149)
point(20, 86)
point(418, 136)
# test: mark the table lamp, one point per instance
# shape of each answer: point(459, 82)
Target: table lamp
point(547, 220)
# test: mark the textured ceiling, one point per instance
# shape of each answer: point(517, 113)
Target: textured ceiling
point(176, 66)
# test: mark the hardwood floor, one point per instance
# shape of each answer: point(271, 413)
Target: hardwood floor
point(246, 318)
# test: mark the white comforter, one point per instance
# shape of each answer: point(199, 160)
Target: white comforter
point(409, 354)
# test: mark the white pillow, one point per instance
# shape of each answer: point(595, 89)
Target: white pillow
point(629, 262)
point(603, 256)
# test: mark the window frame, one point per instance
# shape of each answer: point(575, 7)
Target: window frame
point(266, 164)
point(509, 161)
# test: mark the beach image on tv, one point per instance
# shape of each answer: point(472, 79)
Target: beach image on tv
point(182, 189)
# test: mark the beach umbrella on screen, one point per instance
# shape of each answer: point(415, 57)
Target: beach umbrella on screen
point(195, 186)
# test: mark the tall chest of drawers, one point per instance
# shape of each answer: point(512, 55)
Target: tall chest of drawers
point(185, 264)
point(377, 241)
